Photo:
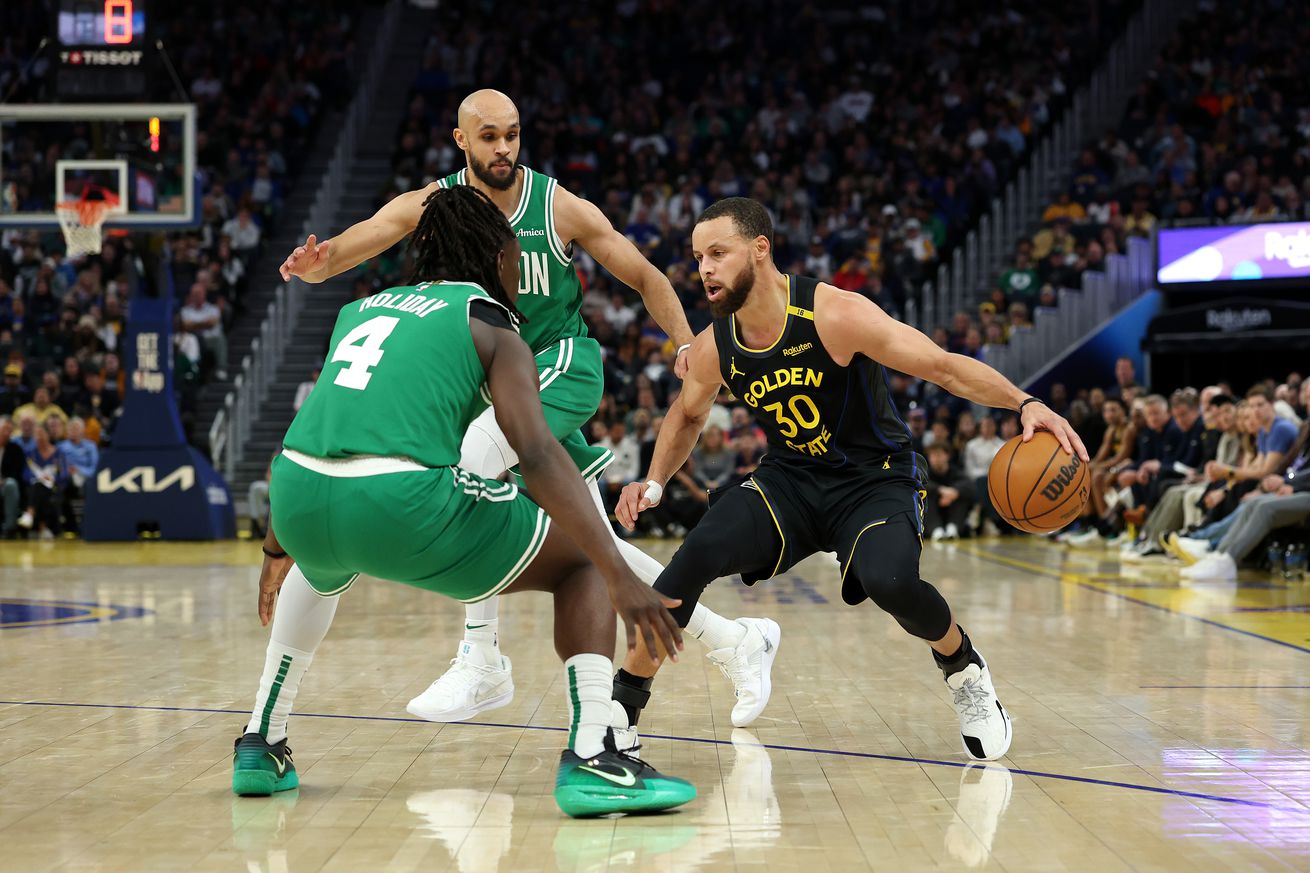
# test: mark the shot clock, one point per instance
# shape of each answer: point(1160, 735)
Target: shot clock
point(103, 50)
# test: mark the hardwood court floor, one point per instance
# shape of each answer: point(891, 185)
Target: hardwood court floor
point(1157, 728)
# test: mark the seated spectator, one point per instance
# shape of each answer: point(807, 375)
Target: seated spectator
point(1254, 520)
point(46, 475)
point(205, 320)
point(1114, 454)
point(1020, 281)
point(917, 422)
point(980, 450)
point(82, 458)
point(1064, 207)
point(715, 461)
point(303, 389)
point(100, 407)
point(750, 446)
point(40, 408)
point(1125, 378)
point(1170, 513)
point(13, 393)
point(950, 496)
point(257, 498)
point(13, 463)
point(244, 235)
point(624, 467)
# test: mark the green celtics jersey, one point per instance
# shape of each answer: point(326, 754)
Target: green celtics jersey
point(550, 295)
point(402, 378)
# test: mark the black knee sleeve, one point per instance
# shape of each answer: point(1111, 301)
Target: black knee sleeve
point(736, 535)
point(886, 566)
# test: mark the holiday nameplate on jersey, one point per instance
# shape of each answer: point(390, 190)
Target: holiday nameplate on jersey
point(103, 50)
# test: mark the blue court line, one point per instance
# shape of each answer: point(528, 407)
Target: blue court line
point(903, 759)
point(1056, 574)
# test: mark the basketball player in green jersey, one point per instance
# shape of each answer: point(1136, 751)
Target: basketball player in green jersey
point(548, 222)
point(809, 361)
point(367, 483)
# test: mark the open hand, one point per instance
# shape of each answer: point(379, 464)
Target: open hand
point(271, 577)
point(645, 614)
point(1037, 416)
point(305, 259)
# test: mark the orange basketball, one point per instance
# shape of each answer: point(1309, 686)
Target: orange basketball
point(1035, 486)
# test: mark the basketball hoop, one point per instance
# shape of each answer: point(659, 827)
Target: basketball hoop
point(83, 220)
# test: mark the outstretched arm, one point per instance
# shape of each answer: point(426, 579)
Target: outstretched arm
point(318, 261)
point(558, 488)
point(682, 427)
point(850, 324)
point(580, 221)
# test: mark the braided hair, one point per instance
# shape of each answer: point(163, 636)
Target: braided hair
point(458, 238)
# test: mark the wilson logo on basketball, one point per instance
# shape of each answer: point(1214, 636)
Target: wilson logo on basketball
point(1063, 477)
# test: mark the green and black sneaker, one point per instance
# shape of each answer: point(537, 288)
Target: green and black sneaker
point(615, 781)
point(260, 769)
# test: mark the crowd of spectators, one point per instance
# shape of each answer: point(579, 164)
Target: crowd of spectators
point(870, 174)
point(1218, 131)
point(261, 76)
point(1203, 476)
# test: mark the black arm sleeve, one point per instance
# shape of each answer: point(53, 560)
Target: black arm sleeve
point(491, 313)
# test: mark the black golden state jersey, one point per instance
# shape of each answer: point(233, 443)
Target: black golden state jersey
point(811, 407)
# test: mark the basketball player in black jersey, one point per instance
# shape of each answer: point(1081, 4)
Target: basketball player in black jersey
point(809, 360)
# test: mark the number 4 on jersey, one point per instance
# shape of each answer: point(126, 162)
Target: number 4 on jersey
point(362, 349)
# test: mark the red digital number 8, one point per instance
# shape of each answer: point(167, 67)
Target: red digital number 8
point(118, 22)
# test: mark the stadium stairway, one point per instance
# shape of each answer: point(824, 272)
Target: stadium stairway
point(368, 177)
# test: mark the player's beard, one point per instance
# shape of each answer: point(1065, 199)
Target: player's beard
point(484, 174)
point(734, 293)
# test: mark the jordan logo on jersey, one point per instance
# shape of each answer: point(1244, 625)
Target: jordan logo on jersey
point(534, 273)
point(733, 372)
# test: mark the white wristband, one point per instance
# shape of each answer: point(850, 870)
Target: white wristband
point(682, 348)
point(654, 491)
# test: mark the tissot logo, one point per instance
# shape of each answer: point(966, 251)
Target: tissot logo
point(145, 480)
point(1237, 319)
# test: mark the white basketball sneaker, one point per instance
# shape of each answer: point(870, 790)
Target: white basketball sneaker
point(1216, 566)
point(476, 682)
point(984, 724)
point(749, 667)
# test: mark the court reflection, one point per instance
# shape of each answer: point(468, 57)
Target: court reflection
point(259, 831)
point(738, 812)
point(477, 827)
point(982, 800)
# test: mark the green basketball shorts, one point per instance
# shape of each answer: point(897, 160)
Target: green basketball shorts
point(572, 380)
point(440, 529)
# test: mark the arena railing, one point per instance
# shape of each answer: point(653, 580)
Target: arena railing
point(1095, 107)
point(230, 432)
point(1056, 330)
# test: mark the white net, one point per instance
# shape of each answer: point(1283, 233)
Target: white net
point(83, 223)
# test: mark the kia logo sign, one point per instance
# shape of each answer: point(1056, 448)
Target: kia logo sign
point(144, 480)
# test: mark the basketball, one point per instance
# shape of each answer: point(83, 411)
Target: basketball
point(1036, 486)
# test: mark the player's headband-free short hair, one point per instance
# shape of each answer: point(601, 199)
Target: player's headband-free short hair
point(749, 216)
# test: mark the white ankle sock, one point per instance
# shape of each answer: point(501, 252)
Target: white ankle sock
point(589, 684)
point(482, 627)
point(713, 630)
point(300, 622)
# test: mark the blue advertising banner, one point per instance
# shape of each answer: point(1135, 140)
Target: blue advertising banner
point(150, 477)
point(1233, 253)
